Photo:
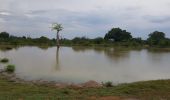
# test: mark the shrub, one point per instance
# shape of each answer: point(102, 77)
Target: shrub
point(4, 60)
point(10, 68)
point(65, 92)
point(108, 84)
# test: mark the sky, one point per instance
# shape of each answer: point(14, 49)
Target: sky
point(89, 18)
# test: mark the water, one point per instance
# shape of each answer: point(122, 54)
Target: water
point(81, 64)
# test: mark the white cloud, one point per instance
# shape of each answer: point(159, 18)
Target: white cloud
point(85, 17)
point(5, 13)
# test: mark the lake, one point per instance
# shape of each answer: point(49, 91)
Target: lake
point(81, 64)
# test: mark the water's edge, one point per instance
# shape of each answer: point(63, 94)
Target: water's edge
point(13, 78)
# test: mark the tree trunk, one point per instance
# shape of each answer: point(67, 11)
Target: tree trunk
point(58, 40)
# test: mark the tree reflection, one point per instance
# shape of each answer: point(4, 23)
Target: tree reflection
point(116, 54)
point(57, 59)
point(7, 48)
point(43, 47)
point(80, 49)
point(84, 49)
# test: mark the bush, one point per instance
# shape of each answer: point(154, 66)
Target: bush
point(108, 84)
point(10, 68)
point(65, 92)
point(4, 60)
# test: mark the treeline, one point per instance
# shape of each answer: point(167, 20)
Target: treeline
point(114, 37)
point(6, 38)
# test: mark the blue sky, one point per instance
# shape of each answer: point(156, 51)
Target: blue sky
point(90, 18)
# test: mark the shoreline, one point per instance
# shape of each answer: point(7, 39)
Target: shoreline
point(12, 78)
point(11, 46)
point(144, 90)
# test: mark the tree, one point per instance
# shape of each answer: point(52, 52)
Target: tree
point(58, 28)
point(98, 40)
point(4, 35)
point(43, 39)
point(118, 35)
point(156, 37)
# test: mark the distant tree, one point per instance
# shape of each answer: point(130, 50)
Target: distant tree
point(98, 40)
point(24, 37)
point(43, 39)
point(4, 35)
point(118, 35)
point(138, 40)
point(164, 43)
point(58, 28)
point(156, 37)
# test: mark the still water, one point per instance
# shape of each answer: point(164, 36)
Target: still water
point(81, 64)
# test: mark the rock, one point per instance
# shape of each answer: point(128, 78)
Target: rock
point(91, 84)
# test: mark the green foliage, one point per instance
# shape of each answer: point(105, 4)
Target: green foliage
point(14, 40)
point(164, 43)
point(4, 60)
point(56, 26)
point(118, 35)
point(108, 84)
point(4, 35)
point(115, 37)
point(98, 40)
point(10, 68)
point(83, 41)
point(43, 39)
point(156, 37)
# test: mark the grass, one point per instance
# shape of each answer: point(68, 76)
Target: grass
point(10, 68)
point(4, 60)
point(150, 90)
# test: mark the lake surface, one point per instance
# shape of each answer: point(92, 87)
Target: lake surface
point(81, 64)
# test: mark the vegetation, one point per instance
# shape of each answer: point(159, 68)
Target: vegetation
point(14, 40)
point(108, 84)
point(58, 28)
point(4, 35)
point(114, 37)
point(158, 38)
point(118, 35)
point(150, 90)
point(10, 68)
point(4, 60)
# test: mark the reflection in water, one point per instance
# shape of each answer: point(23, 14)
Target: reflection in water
point(7, 48)
point(159, 50)
point(116, 53)
point(86, 48)
point(57, 59)
point(80, 49)
point(80, 64)
point(112, 53)
point(43, 47)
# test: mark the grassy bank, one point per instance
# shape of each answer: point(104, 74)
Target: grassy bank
point(150, 90)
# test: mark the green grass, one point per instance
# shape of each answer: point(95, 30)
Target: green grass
point(10, 68)
point(150, 90)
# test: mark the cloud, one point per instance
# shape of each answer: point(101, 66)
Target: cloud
point(91, 18)
point(3, 13)
point(158, 19)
